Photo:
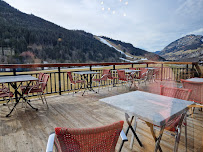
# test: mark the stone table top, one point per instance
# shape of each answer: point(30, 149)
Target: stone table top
point(153, 108)
point(86, 72)
point(18, 78)
point(196, 80)
point(129, 71)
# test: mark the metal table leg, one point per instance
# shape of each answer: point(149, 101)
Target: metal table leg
point(132, 138)
point(156, 139)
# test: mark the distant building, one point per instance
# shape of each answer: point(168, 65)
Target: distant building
point(6, 51)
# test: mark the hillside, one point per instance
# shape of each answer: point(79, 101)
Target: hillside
point(135, 53)
point(29, 39)
point(187, 48)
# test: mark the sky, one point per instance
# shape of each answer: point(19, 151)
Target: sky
point(147, 24)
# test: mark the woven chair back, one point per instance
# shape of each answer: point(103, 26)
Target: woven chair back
point(44, 81)
point(103, 139)
point(121, 75)
point(196, 90)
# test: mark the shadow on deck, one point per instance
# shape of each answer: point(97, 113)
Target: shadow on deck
point(28, 131)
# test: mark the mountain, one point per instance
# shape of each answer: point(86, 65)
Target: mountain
point(187, 48)
point(133, 52)
point(157, 52)
point(27, 38)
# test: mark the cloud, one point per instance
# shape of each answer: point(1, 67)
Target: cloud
point(197, 32)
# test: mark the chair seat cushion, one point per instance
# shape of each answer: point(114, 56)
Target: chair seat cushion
point(96, 79)
point(9, 94)
point(79, 81)
point(33, 90)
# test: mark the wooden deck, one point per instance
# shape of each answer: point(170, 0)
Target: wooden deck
point(28, 131)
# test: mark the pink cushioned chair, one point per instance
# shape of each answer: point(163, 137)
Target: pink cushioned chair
point(75, 81)
point(38, 88)
point(6, 93)
point(175, 124)
point(104, 77)
point(122, 77)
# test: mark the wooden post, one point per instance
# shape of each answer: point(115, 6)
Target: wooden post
point(132, 65)
point(147, 65)
point(59, 73)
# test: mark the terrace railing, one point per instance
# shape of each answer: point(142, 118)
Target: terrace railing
point(59, 82)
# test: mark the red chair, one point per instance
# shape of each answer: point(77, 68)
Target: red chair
point(38, 88)
point(142, 77)
point(112, 77)
point(196, 88)
point(36, 84)
point(6, 93)
point(175, 124)
point(103, 139)
point(75, 81)
point(197, 93)
point(122, 77)
point(104, 77)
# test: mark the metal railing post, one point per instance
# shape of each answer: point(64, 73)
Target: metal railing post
point(114, 68)
point(90, 77)
point(162, 71)
point(193, 70)
point(15, 85)
point(59, 73)
point(187, 74)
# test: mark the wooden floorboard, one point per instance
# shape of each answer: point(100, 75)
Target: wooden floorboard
point(28, 130)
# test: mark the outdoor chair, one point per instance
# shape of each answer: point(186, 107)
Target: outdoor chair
point(112, 77)
point(38, 88)
point(155, 74)
point(104, 77)
point(197, 91)
point(142, 78)
point(74, 81)
point(6, 93)
point(35, 84)
point(125, 78)
point(99, 139)
point(174, 125)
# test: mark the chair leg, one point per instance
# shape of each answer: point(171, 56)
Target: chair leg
point(42, 97)
point(186, 134)
point(99, 86)
point(177, 139)
point(45, 100)
point(7, 103)
point(74, 89)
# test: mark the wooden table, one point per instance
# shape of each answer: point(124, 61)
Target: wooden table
point(152, 108)
point(12, 80)
point(85, 77)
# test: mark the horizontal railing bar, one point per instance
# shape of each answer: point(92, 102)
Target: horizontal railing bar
point(83, 64)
